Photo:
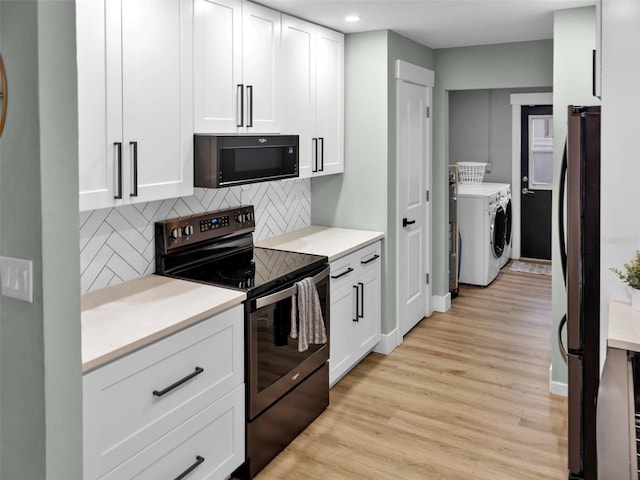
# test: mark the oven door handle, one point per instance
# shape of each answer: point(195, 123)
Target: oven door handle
point(289, 292)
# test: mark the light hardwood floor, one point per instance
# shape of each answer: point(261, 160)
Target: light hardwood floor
point(464, 396)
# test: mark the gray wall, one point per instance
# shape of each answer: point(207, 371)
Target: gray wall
point(513, 65)
point(40, 364)
point(364, 197)
point(574, 41)
point(480, 129)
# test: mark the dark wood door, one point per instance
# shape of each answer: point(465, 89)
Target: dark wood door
point(536, 181)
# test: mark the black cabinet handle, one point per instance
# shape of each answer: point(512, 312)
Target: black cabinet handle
point(119, 161)
point(361, 285)
point(322, 154)
point(240, 93)
point(160, 393)
point(315, 156)
point(357, 304)
point(406, 222)
point(375, 257)
point(197, 463)
point(346, 272)
point(135, 169)
point(250, 102)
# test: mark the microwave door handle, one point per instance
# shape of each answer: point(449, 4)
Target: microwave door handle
point(288, 292)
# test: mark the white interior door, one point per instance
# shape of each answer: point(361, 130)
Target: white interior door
point(414, 236)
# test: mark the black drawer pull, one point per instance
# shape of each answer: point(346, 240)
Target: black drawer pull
point(199, 460)
point(375, 257)
point(159, 393)
point(346, 272)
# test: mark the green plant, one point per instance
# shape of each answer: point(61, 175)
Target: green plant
point(631, 275)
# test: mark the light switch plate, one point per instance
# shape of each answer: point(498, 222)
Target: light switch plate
point(16, 278)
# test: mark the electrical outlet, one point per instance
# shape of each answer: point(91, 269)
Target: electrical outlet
point(16, 278)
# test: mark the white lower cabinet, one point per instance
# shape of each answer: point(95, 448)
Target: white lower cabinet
point(355, 309)
point(174, 406)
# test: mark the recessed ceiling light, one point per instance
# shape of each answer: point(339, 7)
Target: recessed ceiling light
point(352, 18)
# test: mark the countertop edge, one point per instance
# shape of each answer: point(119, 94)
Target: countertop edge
point(624, 327)
point(118, 353)
point(314, 240)
point(363, 244)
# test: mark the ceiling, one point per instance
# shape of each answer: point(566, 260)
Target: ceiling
point(437, 23)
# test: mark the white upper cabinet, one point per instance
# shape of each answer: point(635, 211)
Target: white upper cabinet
point(237, 67)
point(313, 94)
point(135, 101)
point(330, 100)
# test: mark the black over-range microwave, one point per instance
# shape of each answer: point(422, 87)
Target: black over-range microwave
point(227, 160)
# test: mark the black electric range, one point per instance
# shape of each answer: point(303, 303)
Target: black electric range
point(282, 381)
point(217, 248)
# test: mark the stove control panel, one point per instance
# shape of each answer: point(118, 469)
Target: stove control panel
point(214, 223)
point(182, 231)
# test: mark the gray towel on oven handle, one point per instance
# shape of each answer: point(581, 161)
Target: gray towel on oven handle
point(305, 305)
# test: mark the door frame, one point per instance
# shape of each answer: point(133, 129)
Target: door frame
point(408, 72)
point(517, 101)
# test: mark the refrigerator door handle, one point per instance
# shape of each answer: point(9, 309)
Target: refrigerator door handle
point(563, 351)
point(561, 200)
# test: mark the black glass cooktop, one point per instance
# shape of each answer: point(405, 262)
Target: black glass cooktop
point(255, 270)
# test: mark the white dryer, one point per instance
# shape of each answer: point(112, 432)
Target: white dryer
point(482, 232)
point(505, 202)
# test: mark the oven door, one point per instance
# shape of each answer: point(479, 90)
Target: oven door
point(275, 365)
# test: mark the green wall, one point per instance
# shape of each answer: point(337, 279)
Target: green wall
point(511, 65)
point(364, 197)
point(574, 40)
point(40, 362)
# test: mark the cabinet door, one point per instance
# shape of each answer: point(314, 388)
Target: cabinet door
point(342, 316)
point(329, 100)
point(157, 81)
point(261, 68)
point(217, 66)
point(366, 331)
point(298, 87)
point(99, 73)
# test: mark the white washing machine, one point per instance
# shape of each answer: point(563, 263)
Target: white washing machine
point(505, 201)
point(482, 232)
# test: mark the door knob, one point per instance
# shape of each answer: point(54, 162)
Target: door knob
point(406, 222)
point(526, 191)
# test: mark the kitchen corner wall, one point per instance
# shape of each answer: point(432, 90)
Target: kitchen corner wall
point(574, 36)
point(117, 244)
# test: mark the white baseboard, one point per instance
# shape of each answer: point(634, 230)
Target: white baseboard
point(388, 342)
point(441, 303)
point(557, 388)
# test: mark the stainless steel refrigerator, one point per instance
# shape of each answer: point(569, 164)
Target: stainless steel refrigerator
point(581, 267)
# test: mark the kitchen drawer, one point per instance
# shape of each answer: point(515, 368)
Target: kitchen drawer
point(213, 439)
point(369, 257)
point(121, 413)
point(344, 270)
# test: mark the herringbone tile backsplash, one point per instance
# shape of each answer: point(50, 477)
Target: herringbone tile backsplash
point(117, 244)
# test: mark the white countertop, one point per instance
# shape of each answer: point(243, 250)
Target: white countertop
point(120, 319)
point(624, 327)
point(329, 241)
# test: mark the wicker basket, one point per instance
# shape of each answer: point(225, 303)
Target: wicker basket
point(471, 172)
